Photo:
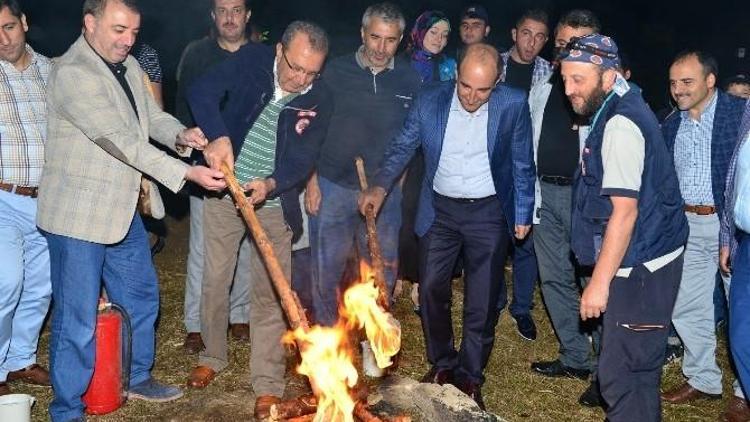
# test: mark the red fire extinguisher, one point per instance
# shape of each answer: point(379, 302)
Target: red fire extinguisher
point(107, 390)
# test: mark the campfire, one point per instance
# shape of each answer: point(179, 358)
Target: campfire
point(328, 353)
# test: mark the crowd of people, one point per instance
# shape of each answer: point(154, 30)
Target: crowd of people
point(635, 227)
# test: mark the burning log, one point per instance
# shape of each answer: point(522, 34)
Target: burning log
point(301, 406)
point(372, 241)
point(289, 300)
point(308, 404)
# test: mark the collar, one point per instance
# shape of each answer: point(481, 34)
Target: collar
point(116, 68)
point(456, 106)
point(364, 64)
point(538, 60)
point(32, 54)
point(279, 93)
point(710, 108)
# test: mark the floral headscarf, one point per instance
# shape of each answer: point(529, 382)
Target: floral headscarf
point(423, 60)
point(424, 22)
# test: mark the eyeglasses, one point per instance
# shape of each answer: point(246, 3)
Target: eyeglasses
point(299, 70)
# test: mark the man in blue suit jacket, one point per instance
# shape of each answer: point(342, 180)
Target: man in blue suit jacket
point(478, 189)
point(701, 138)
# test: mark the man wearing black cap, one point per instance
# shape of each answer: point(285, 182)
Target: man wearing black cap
point(474, 27)
point(629, 225)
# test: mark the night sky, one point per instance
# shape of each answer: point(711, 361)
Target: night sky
point(650, 32)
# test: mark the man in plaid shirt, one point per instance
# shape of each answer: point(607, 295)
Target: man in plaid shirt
point(701, 138)
point(24, 280)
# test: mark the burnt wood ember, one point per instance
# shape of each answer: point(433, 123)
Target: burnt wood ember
point(361, 413)
point(301, 406)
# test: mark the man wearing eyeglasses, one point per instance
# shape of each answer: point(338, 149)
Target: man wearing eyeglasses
point(265, 114)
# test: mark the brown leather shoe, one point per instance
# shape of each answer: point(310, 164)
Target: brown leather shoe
point(240, 332)
point(263, 406)
point(193, 343)
point(4, 389)
point(200, 377)
point(686, 394)
point(736, 411)
point(32, 374)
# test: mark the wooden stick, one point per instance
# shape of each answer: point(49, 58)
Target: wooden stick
point(372, 241)
point(289, 301)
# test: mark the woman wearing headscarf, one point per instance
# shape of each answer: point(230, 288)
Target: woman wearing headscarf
point(428, 39)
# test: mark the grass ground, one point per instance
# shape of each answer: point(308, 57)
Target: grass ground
point(511, 390)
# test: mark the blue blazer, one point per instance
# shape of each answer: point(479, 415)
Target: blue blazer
point(508, 145)
point(723, 139)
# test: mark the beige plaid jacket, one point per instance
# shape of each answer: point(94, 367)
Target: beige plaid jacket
point(96, 148)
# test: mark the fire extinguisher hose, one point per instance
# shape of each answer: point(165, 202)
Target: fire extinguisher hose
point(126, 346)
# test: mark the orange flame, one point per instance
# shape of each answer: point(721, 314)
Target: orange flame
point(327, 355)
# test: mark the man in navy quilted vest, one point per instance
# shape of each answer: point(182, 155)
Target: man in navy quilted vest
point(629, 225)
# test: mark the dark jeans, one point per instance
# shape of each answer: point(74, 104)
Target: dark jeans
point(335, 231)
point(560, 279)
point(77, 270)
point(479, 232)
point(739, 312)
point(636, 325)
point(302, 278)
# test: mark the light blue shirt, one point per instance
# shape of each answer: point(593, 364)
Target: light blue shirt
point(464, 167)
point(692, 156)
point(742, 190)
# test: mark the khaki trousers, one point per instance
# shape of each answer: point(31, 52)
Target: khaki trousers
point(224, 229)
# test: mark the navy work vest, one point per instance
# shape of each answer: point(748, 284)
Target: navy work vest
point(661, 226)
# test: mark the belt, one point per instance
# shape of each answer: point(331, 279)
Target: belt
point(557, 180)
point(465, 200)
point(19, 190)
point(701, 209)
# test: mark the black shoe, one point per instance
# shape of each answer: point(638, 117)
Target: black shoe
point(673, 353)
point(438, 376)
point(474, 391)
point(526, 327)
point(591, 397)
point(557, 369)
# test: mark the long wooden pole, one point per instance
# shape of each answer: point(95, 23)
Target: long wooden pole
point(373, 244)
point(289, 300)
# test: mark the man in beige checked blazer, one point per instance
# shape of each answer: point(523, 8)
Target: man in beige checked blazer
point(100, 120)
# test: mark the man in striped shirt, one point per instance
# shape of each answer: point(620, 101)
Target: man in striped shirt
point(273, 121)
point(25, 288)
